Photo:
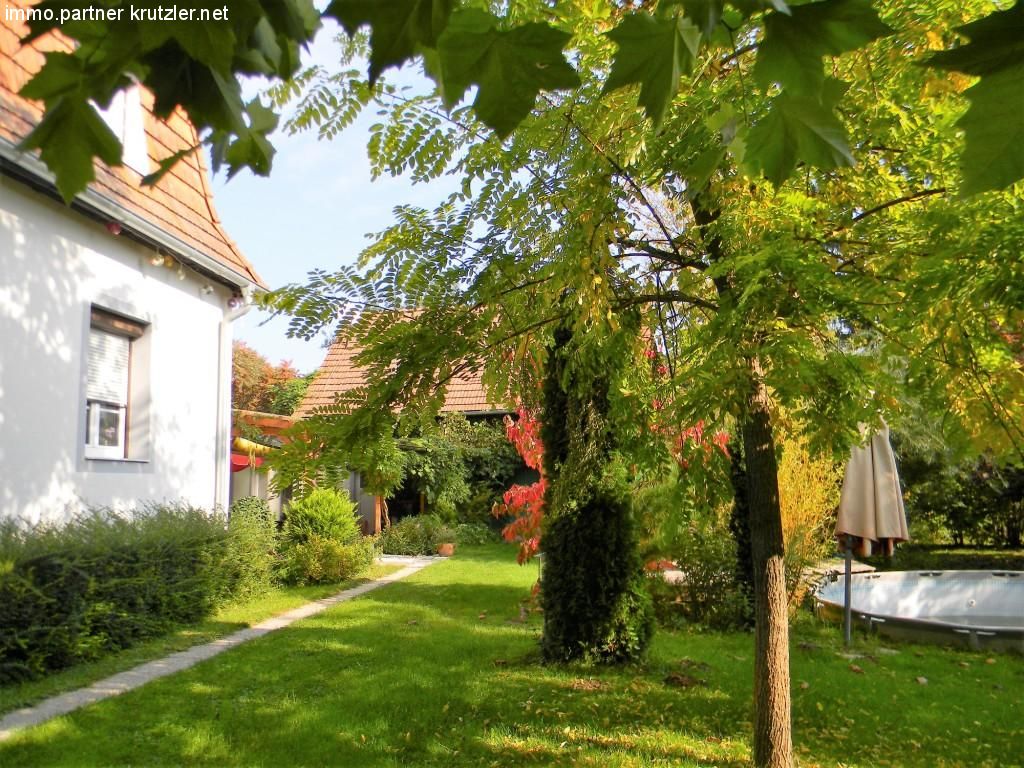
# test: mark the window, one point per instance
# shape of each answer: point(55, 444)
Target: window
point(109, 383)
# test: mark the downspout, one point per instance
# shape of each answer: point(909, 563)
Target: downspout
point(222, 457)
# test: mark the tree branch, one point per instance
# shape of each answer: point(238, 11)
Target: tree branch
point(672, 257)
point(898, 201)
point(666, 296)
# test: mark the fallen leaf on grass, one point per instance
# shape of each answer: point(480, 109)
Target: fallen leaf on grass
point(500, 662)
point(856, 669)
point(482, 615)
point(804, 685)
point(990, 660)
point(922, 680)
point(581, 684)
point(412, 621)
point(964, 664)
point(683, 681)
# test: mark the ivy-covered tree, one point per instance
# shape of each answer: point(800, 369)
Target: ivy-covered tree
point(595, 603)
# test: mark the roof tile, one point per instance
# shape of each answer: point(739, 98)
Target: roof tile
point(339, 374)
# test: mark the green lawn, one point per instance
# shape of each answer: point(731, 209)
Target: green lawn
point(911, 557)
point(441, 669)
point(230, 618)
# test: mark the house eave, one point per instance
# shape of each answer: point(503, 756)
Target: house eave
point(31, 171)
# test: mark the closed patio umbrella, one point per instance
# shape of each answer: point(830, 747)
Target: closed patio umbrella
point(871, 504)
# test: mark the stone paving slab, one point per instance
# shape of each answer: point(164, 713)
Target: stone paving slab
point(153, 670)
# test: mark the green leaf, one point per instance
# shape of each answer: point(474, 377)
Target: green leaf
point(997, 43)
point(509, 67)
point(165, 165)
point(296, 20)
point(210, 99)
point(704, 13)
point(211, 43)
point(69, 137)
point(62, 73)
point(252, 149)
point(699, 174)
point(994, 124)
point(994, 127)
point(400, 28)
point(750, 7)
point(654, 53)
point(798, 129)
point(794, 44)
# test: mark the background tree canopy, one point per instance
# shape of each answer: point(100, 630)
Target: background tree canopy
point(258, 385)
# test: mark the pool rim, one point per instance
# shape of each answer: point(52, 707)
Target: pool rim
point(996, 637)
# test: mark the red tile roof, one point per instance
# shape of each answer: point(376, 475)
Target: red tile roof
point(339, 374)
point(181, 204)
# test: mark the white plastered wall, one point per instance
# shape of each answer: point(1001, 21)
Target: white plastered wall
point(55, 264)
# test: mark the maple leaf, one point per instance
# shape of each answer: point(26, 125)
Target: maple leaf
point(994, 123)
point(795, 43)
point(797, 129)
point(399, 27)
point(69, 136)
point(509, 67)
point(654, 53)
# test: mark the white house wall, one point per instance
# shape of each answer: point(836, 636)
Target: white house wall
point(54, 265)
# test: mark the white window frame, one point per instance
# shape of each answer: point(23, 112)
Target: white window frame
point(93, 449)
point(96, 404)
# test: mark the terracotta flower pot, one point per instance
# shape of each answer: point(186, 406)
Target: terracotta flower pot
point(446, 549)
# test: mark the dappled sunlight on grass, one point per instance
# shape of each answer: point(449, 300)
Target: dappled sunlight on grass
point(227, 620)
point(443, 670)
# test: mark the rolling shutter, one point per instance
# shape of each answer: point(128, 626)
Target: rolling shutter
point(108, 367)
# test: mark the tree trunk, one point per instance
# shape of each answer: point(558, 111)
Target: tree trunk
point(773, 741)
point(773, 736)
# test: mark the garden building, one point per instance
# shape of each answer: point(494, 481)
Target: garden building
point(339, 374)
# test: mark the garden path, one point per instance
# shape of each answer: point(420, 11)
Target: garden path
point(176, 662)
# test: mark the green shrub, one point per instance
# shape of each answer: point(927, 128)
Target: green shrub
point(709, 592)
point(809, 488)
point(475, 533)
point(104, 581)
point(681, 527)
point(325, 513)
point(595, 608)
point(322, 542)
point(250, 553)
point(417, 535)
point(319, 560)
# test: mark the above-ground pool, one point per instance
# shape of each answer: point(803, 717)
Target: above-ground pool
point(980, 609)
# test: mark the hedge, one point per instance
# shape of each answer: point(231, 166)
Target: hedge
point(104, 582)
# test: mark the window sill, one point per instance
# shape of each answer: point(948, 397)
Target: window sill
point(117, 460)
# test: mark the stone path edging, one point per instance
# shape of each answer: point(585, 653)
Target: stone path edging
point(122, 682)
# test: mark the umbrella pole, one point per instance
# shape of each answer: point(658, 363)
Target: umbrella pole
point(847, 608)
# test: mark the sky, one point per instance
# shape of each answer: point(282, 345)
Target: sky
point(313, 211)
